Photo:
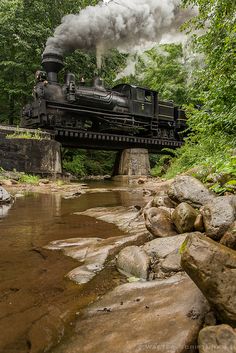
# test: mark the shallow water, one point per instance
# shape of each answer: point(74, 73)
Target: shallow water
point(33, 289)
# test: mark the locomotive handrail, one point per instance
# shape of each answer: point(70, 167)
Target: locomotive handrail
point(52, 104)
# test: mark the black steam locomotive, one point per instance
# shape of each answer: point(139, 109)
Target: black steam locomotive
point(122, 110)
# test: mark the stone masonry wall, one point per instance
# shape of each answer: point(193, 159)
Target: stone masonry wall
point(30, 155)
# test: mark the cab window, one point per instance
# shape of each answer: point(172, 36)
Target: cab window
point(140, 94)
point(144, 95)
point(148, 97)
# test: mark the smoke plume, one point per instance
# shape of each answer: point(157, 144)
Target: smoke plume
point(120, 24)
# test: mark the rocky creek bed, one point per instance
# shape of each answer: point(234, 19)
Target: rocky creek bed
point(178, 260)
point(38, 303)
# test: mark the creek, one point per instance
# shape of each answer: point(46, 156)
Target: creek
point(33, 287)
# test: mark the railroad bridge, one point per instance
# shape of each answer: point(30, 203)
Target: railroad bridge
point(34, 151)
point(104, 141)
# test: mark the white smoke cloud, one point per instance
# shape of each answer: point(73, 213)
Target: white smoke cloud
point(132, 60)
point(121, 24)
point(129, 69)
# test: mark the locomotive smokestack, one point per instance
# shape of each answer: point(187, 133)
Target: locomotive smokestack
point(52, 64)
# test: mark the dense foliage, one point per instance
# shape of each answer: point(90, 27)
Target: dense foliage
point(217, 81)
point(89, 162)
point(214, 125)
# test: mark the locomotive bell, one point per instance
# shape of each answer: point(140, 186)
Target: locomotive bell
point(98, 83)
point(52, 64)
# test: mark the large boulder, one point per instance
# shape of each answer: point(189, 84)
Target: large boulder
point(212, 267)
point(188, 189)
point(184, 217)
point(5, 197)
point(157, 316)
point(218, 215)
point(158, 222)
point(229, 238)
point(161, 247)
point(133, 261)
point(217, 339)
point(165, 256)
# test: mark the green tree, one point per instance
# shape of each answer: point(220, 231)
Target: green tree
point(25, 26)
point(214, 125)
point(216, 81)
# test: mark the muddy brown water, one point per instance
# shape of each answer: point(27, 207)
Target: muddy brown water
point(33, 289)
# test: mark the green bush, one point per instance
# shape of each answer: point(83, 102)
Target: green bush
point(211, 152)
point(88, 162)
point(29, 179)
point(28, 135)
point(161, 166)
point(75, 165)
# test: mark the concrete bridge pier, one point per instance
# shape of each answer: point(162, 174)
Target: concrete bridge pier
point(132, 163)
point(29, 151)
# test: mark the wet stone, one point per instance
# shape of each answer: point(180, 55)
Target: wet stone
point(134, 261)
point(217, 339)
point(184, 217)
point(5, 197)
point(158, 222)
point(198, 224)
point(141, 317)
point(229, 238)
point(163, 200)
point(188, 189)
point(218, 215)
point(212, 267)
point(163, 246)
point(172, 262)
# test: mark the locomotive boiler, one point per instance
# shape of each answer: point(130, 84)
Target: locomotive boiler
point(123, 110)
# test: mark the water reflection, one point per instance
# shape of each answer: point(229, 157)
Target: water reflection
point(32, 279)
point(4, 209)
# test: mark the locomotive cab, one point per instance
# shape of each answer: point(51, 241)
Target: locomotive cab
point(143, 101)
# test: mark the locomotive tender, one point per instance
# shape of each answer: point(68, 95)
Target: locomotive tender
point(123, 110)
